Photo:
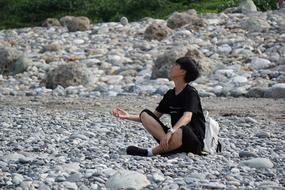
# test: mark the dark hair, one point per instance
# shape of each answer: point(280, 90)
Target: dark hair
point(190, 66)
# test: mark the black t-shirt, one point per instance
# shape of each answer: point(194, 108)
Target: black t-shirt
point(187, 100)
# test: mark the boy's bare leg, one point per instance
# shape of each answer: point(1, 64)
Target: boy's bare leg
point(174, 143)
point(152, 126)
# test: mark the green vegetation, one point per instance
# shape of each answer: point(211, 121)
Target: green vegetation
point(21, 13)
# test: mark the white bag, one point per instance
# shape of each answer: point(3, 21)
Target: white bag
point(211, 140)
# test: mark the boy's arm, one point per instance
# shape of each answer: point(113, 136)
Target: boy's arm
point(184, 120)
point(134, 118)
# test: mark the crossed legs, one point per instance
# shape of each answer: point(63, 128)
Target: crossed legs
point(152, 124)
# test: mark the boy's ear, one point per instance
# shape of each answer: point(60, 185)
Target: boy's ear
point(183, 71)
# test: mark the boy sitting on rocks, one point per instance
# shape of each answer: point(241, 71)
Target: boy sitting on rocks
point(183, 105)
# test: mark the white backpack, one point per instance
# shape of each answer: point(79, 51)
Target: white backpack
point(211, 140)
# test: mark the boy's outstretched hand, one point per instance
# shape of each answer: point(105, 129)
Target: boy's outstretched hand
point(120, 113)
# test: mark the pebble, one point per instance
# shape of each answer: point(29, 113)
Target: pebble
point(214, 185)
point(70, 185)
point(247, 154)
point(262, 134)
point(17, 179)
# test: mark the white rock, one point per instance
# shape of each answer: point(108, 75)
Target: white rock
point(71, 167)
point(239, 80)
point(269, 185)
point(226, 72)
point(247, 6)
point(158, 177)
point(259, 63)
point(78, 41)
point(125, 179)
point(258, 163)
point(18, 179)
point(12, 157)
point(112, 79)
point(115, 59)
point(214, 185)
point(225, 49)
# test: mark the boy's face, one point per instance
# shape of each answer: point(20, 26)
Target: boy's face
point(176, 72)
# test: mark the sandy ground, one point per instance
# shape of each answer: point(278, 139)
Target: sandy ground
point(259, 108)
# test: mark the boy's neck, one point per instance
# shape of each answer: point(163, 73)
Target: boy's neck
point(179, 86)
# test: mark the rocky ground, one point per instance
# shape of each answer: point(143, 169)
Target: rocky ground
point(74, 143)
point(59, 82)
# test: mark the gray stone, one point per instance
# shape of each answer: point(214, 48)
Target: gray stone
point(8, 58)
point(53, 46)
point(74, 24)
point(258, 163)
point(157, 177)
point(124, 21)
point(256, 92)
point(50, 22)
point(255, 25)
point(70, 185)
point(262, 134)
point(164, 62)
point(25, 160)
point(71, 167)
point(22, 64)
point(250, 120)
point(225, 49)
point(59, 91)
point(177, 20)
point(269, 185)
point(78, 136)
point(69, 75)
point(259, 63)
point(12, 157)
point(199, 176)
point(156, 31)
point(44, 187)
point(276, 91)
point(18, 179)
point(247, 6)
point(214, 185)
point(243, 154)
point(60, 178)
point(125, 179)
point(239, 80)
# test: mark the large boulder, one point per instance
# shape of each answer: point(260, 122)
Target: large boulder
point(177, 19)
point(50, 22)
point(196, 23)
point(164, 62)
point(75, 24)
point(22, 64)
point(68, 75)
point(8, 59)
point(254, 24)
point(247, 6)
point(156, 31)
point(125, 179)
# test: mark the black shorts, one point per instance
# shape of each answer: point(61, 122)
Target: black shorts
point(190, 141)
